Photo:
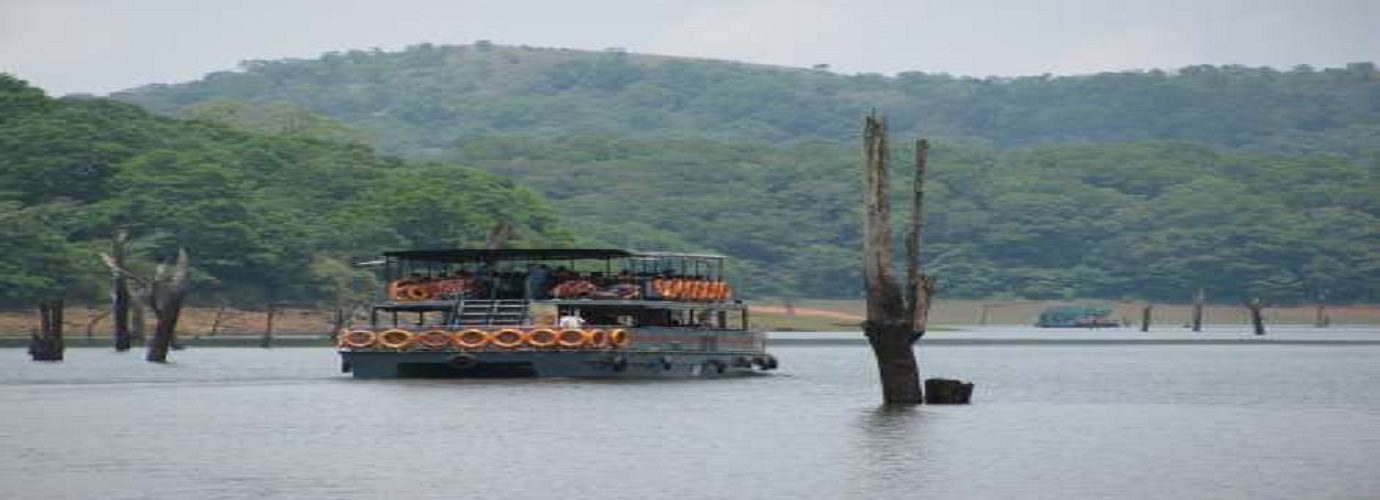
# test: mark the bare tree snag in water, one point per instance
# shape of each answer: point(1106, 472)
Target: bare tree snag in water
point(46, 344)
point(1199, 297)
point(166, 296)
point(266, 340)
point(1257, 321)
point(1145, 318)
point(119, 291)
point(165, 293)
point(896, 314)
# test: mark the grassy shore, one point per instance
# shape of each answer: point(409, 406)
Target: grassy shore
point(804, 315)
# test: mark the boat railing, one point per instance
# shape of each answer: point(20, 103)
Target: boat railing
point(694, 289)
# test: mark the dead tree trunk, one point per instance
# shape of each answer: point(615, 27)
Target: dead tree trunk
point(1145, 318)
point(1199, 297)
point(266, 340)
point(896, 313)
point(1257, 321)
point(1321, 320)
point(166, 295)
point(46, 344)
point(119, 291)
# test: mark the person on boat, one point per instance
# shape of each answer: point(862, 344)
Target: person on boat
point(538, 282)
point(571, 320)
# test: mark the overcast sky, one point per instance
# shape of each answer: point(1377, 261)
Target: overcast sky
point(97, 46)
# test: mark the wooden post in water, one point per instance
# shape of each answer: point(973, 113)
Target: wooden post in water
point(1257, 321)
point(119, 292)
point(1199, 297)
point(896, 313)
point(1145, 318)
point(46, 344)
point(266, 340)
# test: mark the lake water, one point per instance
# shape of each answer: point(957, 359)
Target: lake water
point(1055, 421)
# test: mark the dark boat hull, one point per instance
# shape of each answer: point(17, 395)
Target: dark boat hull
point(534, 363)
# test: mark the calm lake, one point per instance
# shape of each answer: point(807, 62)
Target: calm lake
point(1057, 421)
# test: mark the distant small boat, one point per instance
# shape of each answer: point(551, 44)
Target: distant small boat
point(1076, 316)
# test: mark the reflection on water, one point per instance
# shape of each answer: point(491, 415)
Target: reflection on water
point(892, 448)
point(1115, 421)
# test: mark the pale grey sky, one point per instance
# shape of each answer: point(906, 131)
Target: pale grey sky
point(98, 46)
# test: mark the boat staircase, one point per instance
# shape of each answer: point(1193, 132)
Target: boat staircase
point(468, 312)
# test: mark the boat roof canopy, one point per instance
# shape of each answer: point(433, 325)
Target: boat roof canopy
point(486, 255)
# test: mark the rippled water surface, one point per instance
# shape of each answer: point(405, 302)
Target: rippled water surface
point(1049, 421)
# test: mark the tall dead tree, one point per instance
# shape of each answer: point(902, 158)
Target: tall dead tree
point(164, 294)
point(119, 291)
point(896, 312)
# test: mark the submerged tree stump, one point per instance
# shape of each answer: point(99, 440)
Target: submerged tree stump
point(1257, 320)
point(943, 391)
point(1199, 297)
point(46, 344)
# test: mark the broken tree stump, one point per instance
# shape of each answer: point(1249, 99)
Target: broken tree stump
point(943, 391)
point(46, 344)
point(266, 340)
point(1257, 321)
point(1145, 318)
point(1199, 297)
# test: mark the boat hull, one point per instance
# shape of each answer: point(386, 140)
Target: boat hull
point(624, 363)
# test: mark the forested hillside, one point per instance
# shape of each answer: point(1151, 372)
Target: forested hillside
point(1248, 181)
point(417, 101)
point(264, 217)
point(1144, 220)
point(1145, 184)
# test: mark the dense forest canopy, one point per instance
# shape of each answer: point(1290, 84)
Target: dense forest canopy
point(418, 100)
point(1130, 185)
point(265, 217)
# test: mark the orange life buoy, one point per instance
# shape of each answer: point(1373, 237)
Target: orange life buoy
point(597, 338)
point(395, 338)
point(415, 292)
point(619, 338)
point(434, 339)
point(541, 337)
point(358, 339)
point(472, 339)
point(507, 338)
point(571, 338)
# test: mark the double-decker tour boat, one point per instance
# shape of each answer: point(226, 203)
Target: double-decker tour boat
point(600, 313)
